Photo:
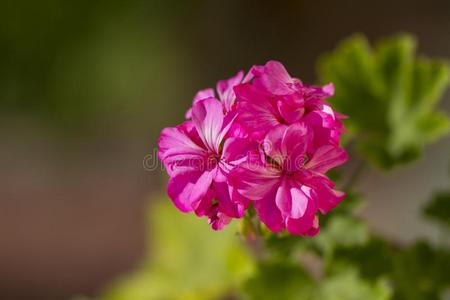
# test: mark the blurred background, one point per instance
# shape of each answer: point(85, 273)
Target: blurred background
point(86, 87)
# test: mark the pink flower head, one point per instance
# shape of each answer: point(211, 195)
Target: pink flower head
point(288, 187)
point(198, 159)
point(266, 139)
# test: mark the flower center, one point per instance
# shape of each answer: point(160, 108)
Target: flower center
point(288, 165)
point(212, 161)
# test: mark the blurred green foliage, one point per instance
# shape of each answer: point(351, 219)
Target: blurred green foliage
point(279, 279)
point(345, 261)
point(421, 272)
point(76, 65)
point(389, 95)
point(187, 260)
point(439, 208)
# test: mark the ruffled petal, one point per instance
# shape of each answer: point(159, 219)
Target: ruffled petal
point(202, 94)
point(187, 189)
point(325, 158)
point(257, 112)
point(254, 180)
point(230, 203)
point(237, 151)
point(303, 224)
point(268, 211)
point(328, 198)
point(291, 200)
point(217, 219)
point(207, 116)
point(315, 229)
point(287, 145)
point(226, 92)
point(178, 148)
point(274, 78)
point(289, 111)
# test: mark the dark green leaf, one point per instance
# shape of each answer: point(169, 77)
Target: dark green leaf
point(421, 273)
point(439, 208)
point(373, 259)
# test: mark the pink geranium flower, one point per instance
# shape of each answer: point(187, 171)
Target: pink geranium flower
point(198, 158)
point(265, 138)
point(288, 187)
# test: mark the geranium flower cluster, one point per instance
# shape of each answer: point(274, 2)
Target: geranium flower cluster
point(265, 139)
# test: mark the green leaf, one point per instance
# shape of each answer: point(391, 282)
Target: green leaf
point(439, 208)
point(373, 259)
point(347, 285)
point(280, 280)
point(276, 280)
point(344, 232)
point(389, 95)
point(433, 126)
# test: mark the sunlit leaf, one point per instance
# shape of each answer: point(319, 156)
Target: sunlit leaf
point(347, 285)
point(342, 231)
point(276, 280)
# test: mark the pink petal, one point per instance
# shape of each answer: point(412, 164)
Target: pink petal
point(205, 203)
point(275, 79)
point(328, 90)
point(258, 113)
point(188, 189)
point(226, 92)
point(316, 95)
point(268, 212)
point(273, 144)
point(327, 128)
point(202, 94)
point(178, 147)
point(327, 197)
point(287, 145)
point(207, 116)
point(278, 71)
point(325, 158)
point(237, 130)
point(315, 227)
point(249, 76)
point(290, 113)
point(217, 219)
point(228, 123)
point(291, 200)
point(254, 181)
point(305, 223)
point(230, 203)
point(238, 150)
